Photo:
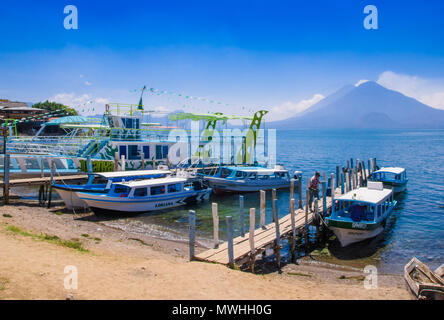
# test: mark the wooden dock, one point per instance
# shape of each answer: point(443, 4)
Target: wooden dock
point(43, 180)
point(244, 248)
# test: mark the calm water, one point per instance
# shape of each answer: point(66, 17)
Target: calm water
point(416, 228)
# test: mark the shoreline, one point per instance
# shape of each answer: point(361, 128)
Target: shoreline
point(139, 261)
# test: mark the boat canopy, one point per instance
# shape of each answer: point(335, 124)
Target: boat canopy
point(122, 174)
point(256, 169)
point(151, 182)
point(208, 116)
point(66, 120)
point(84, 126)
point(394, 170)
point(368, 195)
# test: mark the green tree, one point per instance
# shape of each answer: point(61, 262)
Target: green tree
point(53, 106)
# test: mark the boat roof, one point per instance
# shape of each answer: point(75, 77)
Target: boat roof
point(121, 174)
point(365, 194)
point(256, 169)
point(151, 182)
point(395, 170)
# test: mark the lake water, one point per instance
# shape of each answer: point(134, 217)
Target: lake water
point(416, 227)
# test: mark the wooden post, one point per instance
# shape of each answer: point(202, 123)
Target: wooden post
point(278, 234)
point(241, 215)
point(143, 161)
point(370, 165)
point(229, 220)
point(6, 161)
point(306, 220)
point(348, 165)
point(317, 216)
point(42, 169)
point(154, 164)
point(338, 170)
point(300, 192)
point(262, 208)
point(324, 197)
point(52, 165)
point(122, 163)
point(116, 161)
point(251, 236)
point(333, 183)
point(293, 230)
point(291, 189)
point(342, 183)
point(364, 172)
point(192, 221)
point(215, 225)
point(274, 203)
point(351, 163)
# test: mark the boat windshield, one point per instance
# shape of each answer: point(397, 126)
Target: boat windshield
point(356, 211)
point(121, 191)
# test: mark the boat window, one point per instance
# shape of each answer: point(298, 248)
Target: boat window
point(133, 152)
point(157, 190)
point(253, 176)
point(240, 174)
point(263, 176)
point(225, 172)
point(146, 152)
point(99, 180)
point(379, 211)
point(140, 192)
point(122, 190)
point(122, 151)
point(174, 187)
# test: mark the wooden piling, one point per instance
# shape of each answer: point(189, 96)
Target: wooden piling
point(116, 162)
point(307, 204)
point(300, 192)
point(274, 203)
point(316, 214)
point(324, 197)
point(251, 238)
point(342, 183)
point(293, 230)
point(6, 161)
point(122, 163)
point(229, 220)
point(241, 215)
point(52, 166)
point(143, 161)
point(215, 225)
point(192, 222)
point(333, 184)
point(277, 246)
point(42, 169)
point(291, 189)
point(364, 172)
point(351, 163)
point(262, 209)
point(338, 170)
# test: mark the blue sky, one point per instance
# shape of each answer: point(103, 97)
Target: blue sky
point(283, 55)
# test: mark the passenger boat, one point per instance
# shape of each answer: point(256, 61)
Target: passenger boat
point(424, 283)
point(145, 195)
point(101, 183)
point(361, 213)
point(248, 179)
point(392, 177)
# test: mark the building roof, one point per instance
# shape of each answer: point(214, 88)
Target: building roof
point(395, 170)
point(12, 104)
point(152, 182)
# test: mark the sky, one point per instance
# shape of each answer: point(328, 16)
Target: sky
point(282, 56)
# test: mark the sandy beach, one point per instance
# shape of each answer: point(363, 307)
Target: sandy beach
point(37, 245)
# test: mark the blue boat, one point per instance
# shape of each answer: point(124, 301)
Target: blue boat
point(361, 213)
point(101, 183)
point(392, 177)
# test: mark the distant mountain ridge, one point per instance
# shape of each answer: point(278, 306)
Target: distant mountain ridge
point(369, 105)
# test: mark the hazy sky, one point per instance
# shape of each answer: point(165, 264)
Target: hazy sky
point(280, 55)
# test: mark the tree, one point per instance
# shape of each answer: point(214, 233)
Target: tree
point(54, 106)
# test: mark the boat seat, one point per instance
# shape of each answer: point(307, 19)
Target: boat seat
point(357, 213)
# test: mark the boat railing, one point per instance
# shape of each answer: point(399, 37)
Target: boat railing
point(40, 164)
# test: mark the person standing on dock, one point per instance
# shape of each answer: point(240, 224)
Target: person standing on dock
point(314, 188)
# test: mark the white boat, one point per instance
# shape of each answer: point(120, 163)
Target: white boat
point(101, 183)
point(361, 213)
point(392, 177)
point(146, 195)
point(248, 179)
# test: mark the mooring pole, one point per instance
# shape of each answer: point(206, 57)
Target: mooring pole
point(229, 220)
point(293, 230)
point(273, 197)
point(241, 215)
point(324, 197)
point(278, 234)
point(300, 192)
point(342, 183)
point(215, 225)
point(52, 165)
point(251, 238)
point(262, 209)
point(6, 161)
point(332, 193)
point(192, 222)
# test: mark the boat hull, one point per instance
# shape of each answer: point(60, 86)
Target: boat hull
point(72, 201)
point(104, 204)
point(220, 185)
point(349, 236)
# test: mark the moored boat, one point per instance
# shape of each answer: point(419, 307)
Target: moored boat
point(392, 177)
point(145, 195)
point(423, 282)
point(100, 183)
point(361, 213)
point(248, 179)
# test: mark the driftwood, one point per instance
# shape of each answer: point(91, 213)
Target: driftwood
point(423, 282)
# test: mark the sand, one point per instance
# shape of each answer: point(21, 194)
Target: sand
point(122, 265)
